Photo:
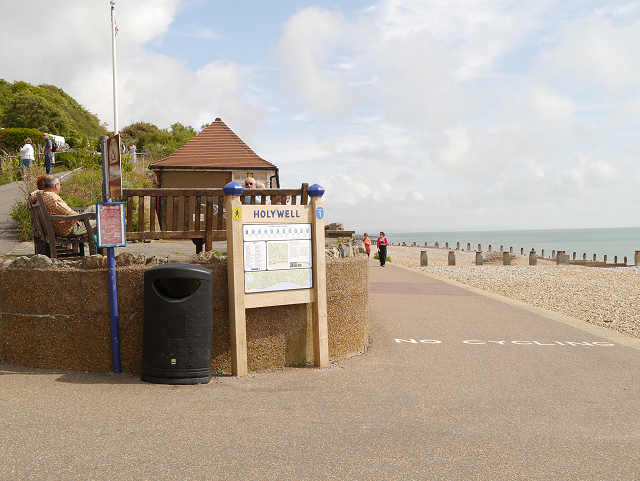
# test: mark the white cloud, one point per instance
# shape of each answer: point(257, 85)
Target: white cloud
point(582, 175)
point(204, 33)
point(151, 87)
point(306, 49)
point(450, 115)
point(598, 51)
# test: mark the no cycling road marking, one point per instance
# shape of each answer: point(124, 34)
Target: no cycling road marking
point(477, 342)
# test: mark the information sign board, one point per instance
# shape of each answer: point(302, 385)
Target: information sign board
point(114, 170)
point(277, 257)
point(111, 224)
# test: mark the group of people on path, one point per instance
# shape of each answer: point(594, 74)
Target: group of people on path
point(381, 244)
point(28, 154)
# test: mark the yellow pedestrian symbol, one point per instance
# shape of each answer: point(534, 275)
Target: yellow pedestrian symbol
point(237, 213)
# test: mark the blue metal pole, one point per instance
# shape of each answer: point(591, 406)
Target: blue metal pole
point(111, 271)
point(113, 304)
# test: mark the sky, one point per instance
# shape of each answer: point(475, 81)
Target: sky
point(413, 115)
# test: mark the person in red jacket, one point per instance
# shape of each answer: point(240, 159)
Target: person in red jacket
point(367, 244)
point(382, 248)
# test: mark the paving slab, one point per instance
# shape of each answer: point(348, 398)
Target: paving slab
point(456, 385)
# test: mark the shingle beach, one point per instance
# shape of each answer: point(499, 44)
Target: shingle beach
point(607, 297)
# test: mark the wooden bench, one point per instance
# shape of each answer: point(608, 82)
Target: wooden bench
point(195, 214)
point(46, 242)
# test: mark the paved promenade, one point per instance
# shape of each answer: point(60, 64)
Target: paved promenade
point(8, 235)
point(457, 385)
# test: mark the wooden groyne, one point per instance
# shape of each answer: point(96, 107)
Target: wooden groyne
point(559, 256)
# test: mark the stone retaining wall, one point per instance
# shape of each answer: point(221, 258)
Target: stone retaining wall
point(59, 318)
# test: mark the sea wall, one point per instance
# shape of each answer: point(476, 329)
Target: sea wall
point(59, 318)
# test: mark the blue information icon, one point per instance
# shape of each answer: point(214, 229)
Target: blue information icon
point(319, 212)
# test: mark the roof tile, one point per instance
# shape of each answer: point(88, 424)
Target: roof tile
point(216, 147)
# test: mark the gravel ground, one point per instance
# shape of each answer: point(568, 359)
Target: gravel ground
point(607, 297)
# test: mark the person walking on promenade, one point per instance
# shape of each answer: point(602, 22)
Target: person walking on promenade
point(27, 154)
point(367, 244)
point(382, 248)
point(132, 152)
point(48, 154)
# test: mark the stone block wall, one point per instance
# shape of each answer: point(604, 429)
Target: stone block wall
point(59, 318)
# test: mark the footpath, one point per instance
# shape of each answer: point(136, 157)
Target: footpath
point(458, 384)
point(8, 235)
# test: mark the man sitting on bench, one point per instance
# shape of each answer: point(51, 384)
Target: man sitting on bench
point(56, 206)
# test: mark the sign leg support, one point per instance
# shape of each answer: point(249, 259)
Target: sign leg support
point(113, 304)
point(235, 262)
point(319, 308)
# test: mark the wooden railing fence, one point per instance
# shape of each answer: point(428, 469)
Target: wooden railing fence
point(196, 214)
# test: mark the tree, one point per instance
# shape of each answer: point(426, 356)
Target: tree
point(60, 114)
point(32, 111)
point(5, 90)
point(138, 130)
point(181, 134)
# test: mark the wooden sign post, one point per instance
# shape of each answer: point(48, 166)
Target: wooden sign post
point(275, 257)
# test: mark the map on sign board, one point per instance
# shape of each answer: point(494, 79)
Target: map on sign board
point(277, 257)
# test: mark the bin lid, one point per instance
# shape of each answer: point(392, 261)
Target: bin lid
point(179, 271)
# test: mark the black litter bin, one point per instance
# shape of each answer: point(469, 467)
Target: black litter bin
point(178, 324)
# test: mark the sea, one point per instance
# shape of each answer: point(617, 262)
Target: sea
point(621, 242)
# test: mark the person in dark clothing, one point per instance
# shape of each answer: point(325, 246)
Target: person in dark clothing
point(382, 248)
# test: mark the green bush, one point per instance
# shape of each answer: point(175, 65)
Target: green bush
point(9, 170)
point(377, 256)
point(82, 188)
point(30, 109)
point(12, 140)
point(20, 213)
point(82, 158)
point(46, 108)
point(136, 179)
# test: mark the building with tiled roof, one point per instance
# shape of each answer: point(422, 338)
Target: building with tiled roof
point(213, 158)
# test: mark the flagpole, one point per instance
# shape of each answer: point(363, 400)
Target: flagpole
point(115, 83)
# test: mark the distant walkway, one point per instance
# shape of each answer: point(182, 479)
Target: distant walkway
point(9, 239)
